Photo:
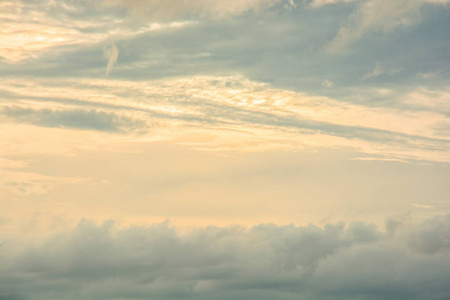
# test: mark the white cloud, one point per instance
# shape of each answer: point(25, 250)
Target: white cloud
point(111, 54)
point(265, 261)
point(319, 3)
point(328, 84)
point(380, 159)
point(377, 71)
point(421, 205)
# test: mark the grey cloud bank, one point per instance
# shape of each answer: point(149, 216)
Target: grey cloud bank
point(102, 261)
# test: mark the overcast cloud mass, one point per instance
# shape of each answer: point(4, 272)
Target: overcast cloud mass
point(100, 261)
point(239, 149)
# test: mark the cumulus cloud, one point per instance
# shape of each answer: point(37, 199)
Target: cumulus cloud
point(266, 261)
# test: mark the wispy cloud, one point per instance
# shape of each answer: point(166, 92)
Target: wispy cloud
point(380, 159)
point(61, 24)
point(319, 3)
point(421, 205)
point(377, 71)
point(328, 84)
point(111, 54)
point(229, 103)
point(27, 183)
point(174, 9)
point(78, 119)
point(377, 16)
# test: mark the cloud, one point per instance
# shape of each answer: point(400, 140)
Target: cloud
point(280, 48)
point(76, 118)
point(31, 28)
point(268, 116)
point(378, 16)
point(12, 164)
point(429, 238)
point(111, 54)
point(265, 262)
point(377, 71)
point(438, 1)
point(380, 159)
point(176, 9)
point(319, 3)
point(328, 84)
point(421, 205)
point(28, 183)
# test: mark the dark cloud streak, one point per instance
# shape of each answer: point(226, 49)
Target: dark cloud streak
point(77, 118)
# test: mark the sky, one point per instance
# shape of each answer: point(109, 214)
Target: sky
point(239, 149)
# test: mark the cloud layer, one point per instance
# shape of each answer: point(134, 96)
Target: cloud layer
point(377, 16)
point(221, 105)
point(175, 9)
point(408, 261)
